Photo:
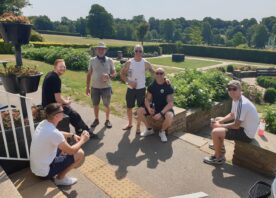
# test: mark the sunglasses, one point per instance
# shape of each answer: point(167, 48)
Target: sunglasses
point(159, 73)
point(138, 51)
point(232, 89)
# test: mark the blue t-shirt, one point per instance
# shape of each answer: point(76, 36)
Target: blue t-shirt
point(159, 95)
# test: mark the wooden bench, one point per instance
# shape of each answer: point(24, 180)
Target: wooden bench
point(259, 155)
point(266, 71)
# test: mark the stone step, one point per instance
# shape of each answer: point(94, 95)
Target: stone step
point(29, 185)
point(7, 188)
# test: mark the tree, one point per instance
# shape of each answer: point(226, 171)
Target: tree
point(42, 23)
point(260, 36)
point(141, 31)
point(14, 6)
point(167, 29)
point(81, 26)
point(207, 33)
point(100, 22)
point(195, 35)
point(238, 39)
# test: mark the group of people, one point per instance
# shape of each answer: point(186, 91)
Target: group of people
point(52, 157)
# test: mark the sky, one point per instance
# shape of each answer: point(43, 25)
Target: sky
point(161, 9)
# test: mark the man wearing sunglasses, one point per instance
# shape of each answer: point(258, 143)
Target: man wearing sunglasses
point(158, 105)
point(50, 154)
point(240, 124)
point(134, 74)
point(51, 93)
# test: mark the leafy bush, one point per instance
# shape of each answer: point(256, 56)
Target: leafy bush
point(270, 95)
point(230, 68)
point(267, 81)
point(76, 59)
point(270, 118)
point(252, 93)
point(197, 89)
point(5, 48)
point(35, 36)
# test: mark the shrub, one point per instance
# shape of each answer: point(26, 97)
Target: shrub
point(267, 81)
point(270, 118)
point(270, 95)
point(198, 89)
point(252, 93)
point(5, 48)
point(230, 68)
point(35, 36)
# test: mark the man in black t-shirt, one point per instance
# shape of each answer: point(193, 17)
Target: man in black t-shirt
point(51, 93)
point(158, 105)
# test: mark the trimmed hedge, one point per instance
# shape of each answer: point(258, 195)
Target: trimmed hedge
point(270, 95)
point(251, 55)
point(52, 44)
point(267, 81)
point(58, 33)
point(6, 48)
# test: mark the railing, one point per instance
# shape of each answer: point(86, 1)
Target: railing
point(8, 103)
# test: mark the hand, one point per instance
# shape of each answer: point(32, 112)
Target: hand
point(87, 91)
point(85, 136)
point(132, 84)
point(157, 116)
point(151, 111)
point(168, 82)
point(216, 125)
point(76, 137)
point(105, 77)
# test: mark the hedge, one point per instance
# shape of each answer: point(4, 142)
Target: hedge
point(267, 81)
point(50, 44)
point(58, 33)
point(251, 55)
point(6, 48)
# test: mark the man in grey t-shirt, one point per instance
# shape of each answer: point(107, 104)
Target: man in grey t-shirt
point(100, 70)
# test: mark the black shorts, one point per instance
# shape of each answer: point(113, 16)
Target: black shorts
point(133, 95)
point(147, 112)
point(60, 163)
point(237, 134)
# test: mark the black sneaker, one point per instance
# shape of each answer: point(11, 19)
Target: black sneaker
point(108, 124)
point(95, 123)
point(213, 160)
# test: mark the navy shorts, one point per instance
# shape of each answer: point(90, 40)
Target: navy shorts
point(134, 95)
point(60, 163)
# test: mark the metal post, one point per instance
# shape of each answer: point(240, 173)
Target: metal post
point(18, 55)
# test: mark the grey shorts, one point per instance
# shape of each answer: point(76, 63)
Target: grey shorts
point(237, 134)
point(134, 95)
point(97, 94)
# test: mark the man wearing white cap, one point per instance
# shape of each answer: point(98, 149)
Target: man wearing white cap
point(240, 124)
point(101, 69)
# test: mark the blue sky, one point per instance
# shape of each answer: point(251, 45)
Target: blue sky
point(189, 9)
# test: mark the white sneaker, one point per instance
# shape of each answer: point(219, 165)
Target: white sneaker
point(163, 136)
point(147, 132)
point(66, 181)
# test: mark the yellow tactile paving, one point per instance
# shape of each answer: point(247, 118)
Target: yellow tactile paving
point(103, 175)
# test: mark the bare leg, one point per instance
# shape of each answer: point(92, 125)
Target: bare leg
point(141, 116)
point(129, 116)
point(79, 159)
point(218, 135)
point(107, 112)
point(96, 112)
point(168, 121)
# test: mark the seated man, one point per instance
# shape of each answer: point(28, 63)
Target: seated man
point(158, 105)
point(50, 153)
point(244, 125)
point(51, 93)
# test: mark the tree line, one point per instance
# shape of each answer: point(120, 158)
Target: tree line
point(209, 31)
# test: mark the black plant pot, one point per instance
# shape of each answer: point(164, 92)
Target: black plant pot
point(16, 33)
point(26, 84)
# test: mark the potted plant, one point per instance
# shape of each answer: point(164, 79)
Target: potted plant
point(15, 29)
point(18, 80)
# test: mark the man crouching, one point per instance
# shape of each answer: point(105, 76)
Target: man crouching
point(50, 153)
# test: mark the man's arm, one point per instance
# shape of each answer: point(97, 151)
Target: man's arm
point(88, 79)
point(169, 105)
point(234, 125)
point(149, 67)
point(124, 71)
point(227, 118)
point(61, 100)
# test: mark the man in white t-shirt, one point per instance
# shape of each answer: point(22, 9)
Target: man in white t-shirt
point(50, 154)
point(244, 122)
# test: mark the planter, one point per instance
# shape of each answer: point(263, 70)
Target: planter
point(244, 74)
point(178, 57)
point(26, 84)
point(16, 33)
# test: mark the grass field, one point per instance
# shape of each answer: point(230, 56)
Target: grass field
point(92, 41)
point(188, 63)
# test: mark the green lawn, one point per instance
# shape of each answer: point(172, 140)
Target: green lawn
point(94, 41)
point(188, 63)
